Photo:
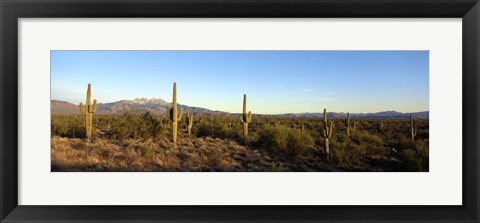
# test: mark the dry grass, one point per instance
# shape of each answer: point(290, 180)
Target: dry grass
point(197, 154)
point(142, 143)
point(200, 154)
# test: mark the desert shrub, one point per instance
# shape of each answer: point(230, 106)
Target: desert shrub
point(401, 142)
point(297, 141)
point(147, 151)
point(216, 130)
point(71, 126)
point(215, 158)
point(422, 133)
point(283, 140)
point(277, 167)
point(274, 137)
point(417, 159)
point(348, 153)
point(367, 138)
point(352, 151)
point(137, 126)
point(58, 127)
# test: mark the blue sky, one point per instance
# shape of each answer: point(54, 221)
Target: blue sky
point(274, 81)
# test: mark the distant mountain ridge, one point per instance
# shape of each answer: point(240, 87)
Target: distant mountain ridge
point(159, 106)
point(383, 114)
point(140, 105)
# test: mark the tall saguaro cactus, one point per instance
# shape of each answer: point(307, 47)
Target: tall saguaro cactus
point(246, 118)
point(189, 122)
point(327, 132)
point(349, 126)
point(413, 129)
point(88, 110)
point(175, 116)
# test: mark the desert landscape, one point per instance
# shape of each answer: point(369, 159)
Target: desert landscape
point(207, 123)
point(148, 137)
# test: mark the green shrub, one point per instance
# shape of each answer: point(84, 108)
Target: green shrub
point(274, 137)
point(348, 154)
point(367, 138)
point(417, 159)
point(137, 126)
point(147, 148)
point(71, 126)
point(353, 151)
point(284, 140)
point(216, 130)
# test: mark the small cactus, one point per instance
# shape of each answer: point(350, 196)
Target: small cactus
point(348, 126)
point(246, 118)
point(88, 110)
point(413, 129)
point(189, 122)
point(327, 132)
point(303, 128)
point(381, 127)
point(175, 116)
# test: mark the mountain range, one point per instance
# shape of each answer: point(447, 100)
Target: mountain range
point(159, 106)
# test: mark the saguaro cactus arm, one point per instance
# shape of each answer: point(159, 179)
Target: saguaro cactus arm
point(330, 132)
point(93, 108)
point(82, 108)
point(189, 117)
point(179, 116)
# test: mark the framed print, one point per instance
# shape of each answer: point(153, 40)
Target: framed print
point(239, 111)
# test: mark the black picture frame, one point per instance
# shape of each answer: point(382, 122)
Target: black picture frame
point(12, 10)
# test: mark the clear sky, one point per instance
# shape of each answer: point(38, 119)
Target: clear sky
point(275, 81)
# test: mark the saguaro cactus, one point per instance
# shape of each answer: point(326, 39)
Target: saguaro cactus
point(413, 129)
point(381, 127)
point(246, 118)
point(88, 110)
point(189, 122)
point(175, 116)
point(327, 132)
point(348, 126)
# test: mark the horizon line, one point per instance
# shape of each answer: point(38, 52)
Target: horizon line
point(284, 113)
